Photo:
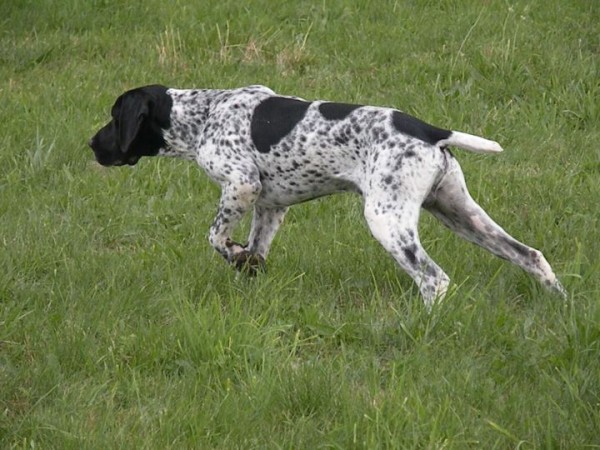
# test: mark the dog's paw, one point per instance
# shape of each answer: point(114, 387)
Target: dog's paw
point(234, 247)
point(559, 289)
point(249, 263)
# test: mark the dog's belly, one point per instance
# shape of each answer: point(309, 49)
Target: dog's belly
point(291, 189)
point(295, 172)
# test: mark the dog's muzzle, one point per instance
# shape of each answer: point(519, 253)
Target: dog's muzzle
point(108, 158)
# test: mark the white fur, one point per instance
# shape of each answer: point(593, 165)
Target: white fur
point(469, 142)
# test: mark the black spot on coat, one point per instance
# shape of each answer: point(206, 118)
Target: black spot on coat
point(417, 128)
point(518, 247)
point(336, 111)
point(273, 119)
point(410, 254)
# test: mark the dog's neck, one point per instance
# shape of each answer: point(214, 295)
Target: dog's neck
point(187, 122)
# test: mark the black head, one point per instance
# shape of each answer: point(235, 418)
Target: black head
point(139, 117)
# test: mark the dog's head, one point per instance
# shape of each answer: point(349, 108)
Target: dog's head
point(139, 117)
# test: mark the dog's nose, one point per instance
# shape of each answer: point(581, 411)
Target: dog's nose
point(91, 142)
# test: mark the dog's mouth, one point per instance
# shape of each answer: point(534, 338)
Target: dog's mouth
point(130, 161)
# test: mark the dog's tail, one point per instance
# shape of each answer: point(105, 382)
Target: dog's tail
point(469, 142)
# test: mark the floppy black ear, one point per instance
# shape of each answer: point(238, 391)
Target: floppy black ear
point(130, 112)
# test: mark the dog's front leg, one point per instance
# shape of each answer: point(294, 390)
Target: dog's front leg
point(265, 223)
point(236, 200)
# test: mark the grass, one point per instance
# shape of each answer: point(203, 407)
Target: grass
point(120, 327)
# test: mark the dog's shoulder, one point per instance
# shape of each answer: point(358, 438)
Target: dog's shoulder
point(241, 99)
point(256, 88)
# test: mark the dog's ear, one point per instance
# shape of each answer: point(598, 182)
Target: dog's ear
point(129, 113)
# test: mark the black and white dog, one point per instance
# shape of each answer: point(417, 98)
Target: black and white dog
point(268, 152)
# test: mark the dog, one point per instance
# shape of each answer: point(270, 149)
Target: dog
point(268, 152)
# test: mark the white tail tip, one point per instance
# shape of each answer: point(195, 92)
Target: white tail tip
point(469, 142)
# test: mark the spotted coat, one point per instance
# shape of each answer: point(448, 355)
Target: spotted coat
point(268, 152)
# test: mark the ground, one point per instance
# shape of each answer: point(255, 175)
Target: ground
point(121, 328)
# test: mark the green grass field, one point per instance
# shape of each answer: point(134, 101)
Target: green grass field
point(120, 328)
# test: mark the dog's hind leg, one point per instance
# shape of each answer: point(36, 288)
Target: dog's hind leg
point(396, 230)
point(452, 204)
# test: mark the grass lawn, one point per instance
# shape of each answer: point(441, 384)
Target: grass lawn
point(121, 328)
